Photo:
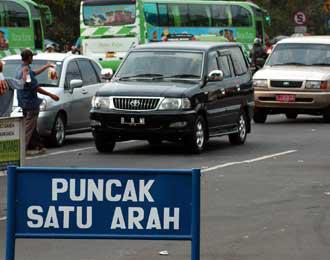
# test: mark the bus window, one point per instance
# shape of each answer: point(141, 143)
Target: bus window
point(200, 16)
point(15, 15)
point(220, 15)
point(241, 17)
point(178, 15)
point(150, 12)
point(163, 15)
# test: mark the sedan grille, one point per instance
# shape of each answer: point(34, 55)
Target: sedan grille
point(136, 103)
point(285, 84)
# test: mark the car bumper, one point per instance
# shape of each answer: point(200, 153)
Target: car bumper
point(130, 125)
point(303, 100)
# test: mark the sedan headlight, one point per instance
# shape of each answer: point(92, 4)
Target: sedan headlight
point(43, 105)
point(260, 83)
point(175, 104)
point(100, 102)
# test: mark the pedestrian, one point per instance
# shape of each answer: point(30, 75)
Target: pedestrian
point(29, 102)
point(7, 87)
point(50, 48)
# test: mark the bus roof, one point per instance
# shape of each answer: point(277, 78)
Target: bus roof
point(203, 2)
point(185, 45)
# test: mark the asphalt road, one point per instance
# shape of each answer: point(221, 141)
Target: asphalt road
point(268, 199)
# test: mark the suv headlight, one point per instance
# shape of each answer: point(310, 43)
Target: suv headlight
point(100, 102)
point(175, 104)
point(260, 83)
point(315, 84)
point(43, 105)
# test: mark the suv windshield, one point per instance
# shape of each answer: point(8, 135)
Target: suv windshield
point(44, 78)
point(300, 54)
point(162, 64)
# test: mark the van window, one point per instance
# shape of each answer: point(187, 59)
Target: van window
point(240, 65)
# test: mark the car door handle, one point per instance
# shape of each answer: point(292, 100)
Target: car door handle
point(84, 91)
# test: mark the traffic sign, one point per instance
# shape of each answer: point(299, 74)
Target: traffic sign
point(103, 204)
point(300, 18)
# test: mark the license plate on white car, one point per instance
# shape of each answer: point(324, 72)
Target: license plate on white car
point(132, 121)
point(285, 98)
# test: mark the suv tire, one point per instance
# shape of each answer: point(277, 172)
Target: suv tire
point(240, 137)
point(57, 136)
point(260, 115)
point(196, 141)
point(104, 144)
point(291, 115)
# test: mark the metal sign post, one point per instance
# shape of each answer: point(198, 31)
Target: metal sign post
point(103, 204)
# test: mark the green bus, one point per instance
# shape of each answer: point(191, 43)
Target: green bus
point(110, 28)
point(169, 20)
point(22, 24)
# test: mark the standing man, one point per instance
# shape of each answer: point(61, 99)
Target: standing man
point(7, 87)
point(28, 100)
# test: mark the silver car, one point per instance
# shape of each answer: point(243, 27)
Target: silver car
point(78, 79)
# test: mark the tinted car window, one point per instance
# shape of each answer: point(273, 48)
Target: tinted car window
point(72, 73)
point(224, 66)
point(87, 72)
point(240, 66)
point(97, 70)
point(212, 63)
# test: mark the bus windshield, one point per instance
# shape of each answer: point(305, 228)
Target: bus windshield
point(115, 14)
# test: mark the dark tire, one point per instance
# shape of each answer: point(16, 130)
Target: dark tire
point(104, 144)
point(196, 141)
point(326, 116)
point(155, 142)
point(260, 116)
point(240, 137)
point(291, 115)
point(57, 138)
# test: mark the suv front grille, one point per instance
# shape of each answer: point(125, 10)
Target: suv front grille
point(136, 103)
point(285, 84)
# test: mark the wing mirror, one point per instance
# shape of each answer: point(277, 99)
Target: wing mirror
point(76, 83)
point(215, 75)
point(106, 74)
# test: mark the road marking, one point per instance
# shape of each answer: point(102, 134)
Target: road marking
point(3, 218)
point(262, 158)
point(3, 173)
point(60, 152)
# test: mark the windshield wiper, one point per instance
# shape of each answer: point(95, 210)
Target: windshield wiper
point(290, 63)
point(146, 75)
point(181, 76)
point(320, 64)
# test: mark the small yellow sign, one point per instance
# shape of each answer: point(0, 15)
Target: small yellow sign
point(326, 6)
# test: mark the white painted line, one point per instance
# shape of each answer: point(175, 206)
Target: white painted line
point(247, 161)
point(60, 152)
point(3, 218)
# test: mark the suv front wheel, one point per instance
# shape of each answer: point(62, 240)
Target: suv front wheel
point(260, 115)
point(196, 141)
point(104, 144)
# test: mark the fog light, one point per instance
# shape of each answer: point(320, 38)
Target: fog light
point(95, 123)
point(178, 124)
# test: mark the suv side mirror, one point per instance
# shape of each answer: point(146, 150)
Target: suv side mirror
point(215, 75)
point(76, 83)
point(260, 62)
point(106, 74)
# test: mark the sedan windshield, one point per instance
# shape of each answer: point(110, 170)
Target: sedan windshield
point(300, 54)
point(162, 64)
point(44, 79)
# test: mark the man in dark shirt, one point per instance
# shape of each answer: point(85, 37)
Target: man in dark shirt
point(28, 100)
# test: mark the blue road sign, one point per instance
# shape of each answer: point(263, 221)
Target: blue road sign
point(103, 203)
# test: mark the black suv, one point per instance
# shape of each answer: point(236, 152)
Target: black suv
point(178, 91)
